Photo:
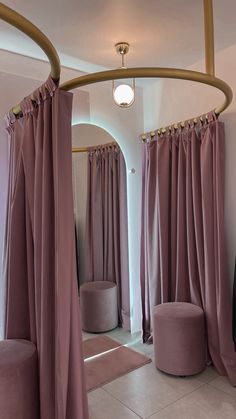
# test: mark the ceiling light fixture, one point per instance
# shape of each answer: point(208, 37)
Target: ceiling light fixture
point(123, 94)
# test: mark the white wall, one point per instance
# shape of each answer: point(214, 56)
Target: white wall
point(168, 101)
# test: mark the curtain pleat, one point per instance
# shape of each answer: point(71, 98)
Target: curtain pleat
point(182, 239)
point(107, 225)
point(42, 301)
point(4, 191)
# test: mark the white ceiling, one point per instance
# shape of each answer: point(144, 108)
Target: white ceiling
point(160, 32)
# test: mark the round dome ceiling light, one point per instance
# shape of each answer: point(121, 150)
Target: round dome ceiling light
point(123, 94)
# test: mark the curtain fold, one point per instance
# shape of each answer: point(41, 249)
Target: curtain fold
point(4, 176)
point(234, 308)
point(182, 237)
point(42, 302)
point(106, 235)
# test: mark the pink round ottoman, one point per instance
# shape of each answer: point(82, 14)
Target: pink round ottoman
point(179, 338)
point(98, 304)
point(19, 394)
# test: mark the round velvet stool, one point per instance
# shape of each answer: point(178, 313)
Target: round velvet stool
point(19, 394)
point(179, 338)
point(98, 304)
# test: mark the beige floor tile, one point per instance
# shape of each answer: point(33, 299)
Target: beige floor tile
point(204, 403)
point(147, 390)
point(143, 348)
point(124, 337)
point(103, 406)
point(207, 375)
point(222, 383)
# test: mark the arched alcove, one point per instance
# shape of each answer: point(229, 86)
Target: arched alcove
point(92, 134)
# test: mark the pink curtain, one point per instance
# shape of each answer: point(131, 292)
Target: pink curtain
point(42, 303)
point(4, 176)
point(106, 224)
point(182, 240)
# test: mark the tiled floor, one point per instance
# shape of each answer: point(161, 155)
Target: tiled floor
point(148, 393)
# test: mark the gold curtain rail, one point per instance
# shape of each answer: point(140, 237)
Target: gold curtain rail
point(80, 149)
point(93, 148)
point(25, 26)
point(154, 72)
point(209, 37)
point(178, 125)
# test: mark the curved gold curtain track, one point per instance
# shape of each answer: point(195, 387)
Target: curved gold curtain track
point(21, 23)
point(201, 119)
point(25, 26)
point(93, 148)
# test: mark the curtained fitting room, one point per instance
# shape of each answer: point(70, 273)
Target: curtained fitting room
point(117, 209)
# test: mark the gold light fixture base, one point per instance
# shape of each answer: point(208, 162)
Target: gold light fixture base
point(122, 48)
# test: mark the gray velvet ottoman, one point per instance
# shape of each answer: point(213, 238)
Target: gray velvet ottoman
point(179, 338)
point(98, 304)
point(19, 394)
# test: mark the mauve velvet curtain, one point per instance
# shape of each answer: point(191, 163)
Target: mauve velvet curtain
point(42, 303)
point(106, 234)
point(182, 238)
point(4, 177)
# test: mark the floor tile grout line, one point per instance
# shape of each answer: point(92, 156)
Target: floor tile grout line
point(206, 382)
point(161, 408)
point(177, 400)
point(223, 391)
point(123, 404)
point(130, 343)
